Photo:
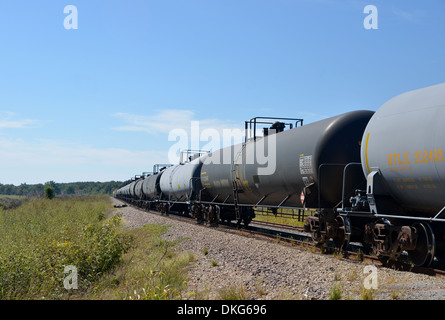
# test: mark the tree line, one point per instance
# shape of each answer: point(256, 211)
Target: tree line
point(70, 188)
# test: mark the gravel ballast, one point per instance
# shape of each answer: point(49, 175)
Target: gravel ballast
point(262, 269)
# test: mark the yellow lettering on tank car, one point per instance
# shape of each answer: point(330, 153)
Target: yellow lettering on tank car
point(427, 156)
point(406, 154)
point(422, 156)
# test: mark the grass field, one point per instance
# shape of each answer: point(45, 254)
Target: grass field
point(283, 216)
point(41, 237)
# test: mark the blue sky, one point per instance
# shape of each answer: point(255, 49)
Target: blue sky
point(98, 103)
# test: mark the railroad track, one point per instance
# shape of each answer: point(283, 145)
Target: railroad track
point(296, 235)
point(280, 226)
point(354, 251)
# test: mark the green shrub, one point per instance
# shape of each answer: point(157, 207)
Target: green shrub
point(50, 193)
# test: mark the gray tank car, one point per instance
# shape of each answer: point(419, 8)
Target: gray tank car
point(402, 207)
point(182, 182)
point(404, 144)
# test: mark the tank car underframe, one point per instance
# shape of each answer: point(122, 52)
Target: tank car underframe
point(391, 229)
point(325, 225)
point(367, 221)
point(389, 235)
point(228, 212)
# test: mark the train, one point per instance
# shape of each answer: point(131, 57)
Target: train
point(375, 178)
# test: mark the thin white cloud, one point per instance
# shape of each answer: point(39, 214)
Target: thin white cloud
point(162, 122)
point(167, 120)
point(415, 15)
point(184, 130)
point(7, 121)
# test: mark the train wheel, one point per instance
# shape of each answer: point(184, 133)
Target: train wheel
point(247, 220)
point(423, 254)
point(317, 238)
point(312, 226)
point(341, 239)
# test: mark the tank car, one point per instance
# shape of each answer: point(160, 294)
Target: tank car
point(151, 188)
point(180, 185)
point(401, 208)
point(286, 169)
point(405, 146)
point(138, 193)
point(124, 193)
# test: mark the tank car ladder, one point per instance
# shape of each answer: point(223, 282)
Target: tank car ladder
point(235, 199)
point(235, 180)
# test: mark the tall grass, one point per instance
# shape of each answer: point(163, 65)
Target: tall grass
point(42, 236)
point(152, 270)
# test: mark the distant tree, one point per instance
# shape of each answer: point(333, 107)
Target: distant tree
point(70, 190)
point(62, 188)
point(9, 189)
point(49, 192)
point(53, 185)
